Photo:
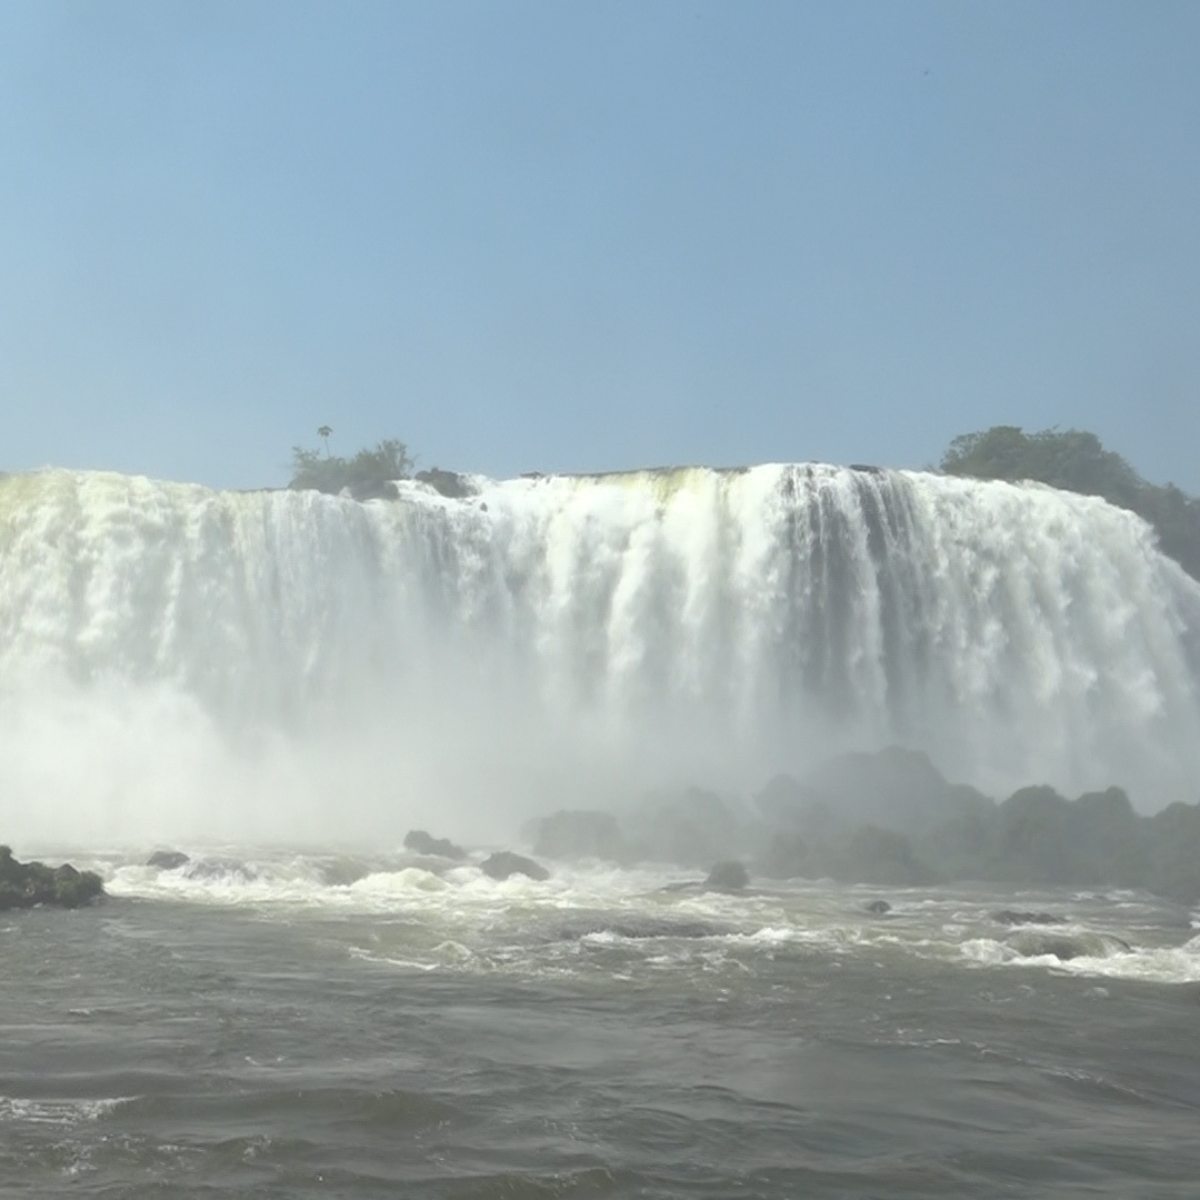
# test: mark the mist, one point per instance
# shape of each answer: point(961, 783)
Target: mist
point(179, 663)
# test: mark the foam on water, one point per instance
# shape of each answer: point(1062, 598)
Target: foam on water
point(594, 917)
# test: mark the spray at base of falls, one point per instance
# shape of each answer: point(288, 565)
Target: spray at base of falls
point(282, 665)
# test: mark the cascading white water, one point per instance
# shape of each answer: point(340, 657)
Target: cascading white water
point(177, 660)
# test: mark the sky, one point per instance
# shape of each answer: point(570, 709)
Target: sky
point(591, 236)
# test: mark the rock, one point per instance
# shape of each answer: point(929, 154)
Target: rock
point(420, 842)
point(1013, 916)
point(25, 885)
point(636, 927)
point(450, 484)
point(345, 870)
point(505, 863)
point(879, 907)
point(580, 834)
point(220, 868)
point(168, 860)
point(882, 856)
point(372, 489)
point(691, 828)
point(1032, 943)
point(784, 854)
point(727, 876)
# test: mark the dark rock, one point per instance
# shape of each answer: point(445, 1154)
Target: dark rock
point(505, 863)
point(447, 483)
point(420, 842)
point(692, 828)
point(25, 885)
point(1032, 943)
point(783, 854)
point(345, 870)
point(373, 489)
point(220, 868)
point(879, 907)
point(1013, 916)
point(580, 834)
point(168, 860)
point(874, 855)
point(727, 876)
point(638, 927)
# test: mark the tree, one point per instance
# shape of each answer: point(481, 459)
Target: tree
point(368, 474)
point(1076, 461)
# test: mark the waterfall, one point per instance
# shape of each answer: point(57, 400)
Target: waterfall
point(178, 659)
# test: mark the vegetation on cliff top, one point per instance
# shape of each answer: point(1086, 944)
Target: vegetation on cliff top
point(369, 473)
point(1076, 461)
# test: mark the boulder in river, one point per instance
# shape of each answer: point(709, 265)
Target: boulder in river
point(580, 833)
point(504, 864)
point(25, 885)
point(727, 876)
point(168, 860)
point(1014, 916)
point(420, 842)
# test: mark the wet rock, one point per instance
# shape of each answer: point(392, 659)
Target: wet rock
point(168, 860)
point(727, 876)
point(637, 927)
point(420, 842)
point(1014, 916)
point(26, 885)
point(1032, 943)
point(504, 864)
point(220, 868)
point(450, 484)
point(580, 834)
point(372, 489)
point(879, 907)
point(692, 827)
point(345, 870)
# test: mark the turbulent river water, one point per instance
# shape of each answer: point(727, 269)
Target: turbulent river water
point(428, 1032)
point(229, 672)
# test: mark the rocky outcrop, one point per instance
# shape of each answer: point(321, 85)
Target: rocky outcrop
point(27, 885)
point(1014, 916)
point(230, 870)
point(168, 860)
point(450, 484)
point(580, 833)
point(692, 827)
point(727, 876)
point(504, 864)
point(420, 842)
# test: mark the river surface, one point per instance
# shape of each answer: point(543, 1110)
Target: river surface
point(427, 1032)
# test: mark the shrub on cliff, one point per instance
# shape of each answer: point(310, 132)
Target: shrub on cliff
point(1076, 461)
point(369, 473)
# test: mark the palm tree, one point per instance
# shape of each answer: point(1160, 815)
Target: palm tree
point(323, 433)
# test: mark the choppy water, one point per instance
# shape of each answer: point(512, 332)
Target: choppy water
point(431, 1033)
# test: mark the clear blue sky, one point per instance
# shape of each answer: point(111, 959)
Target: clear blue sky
point(573, 236)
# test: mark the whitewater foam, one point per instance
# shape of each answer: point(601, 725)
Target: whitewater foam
point(181, 663)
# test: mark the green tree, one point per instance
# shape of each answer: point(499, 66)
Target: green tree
point(366, 475)
point(1076, 461)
